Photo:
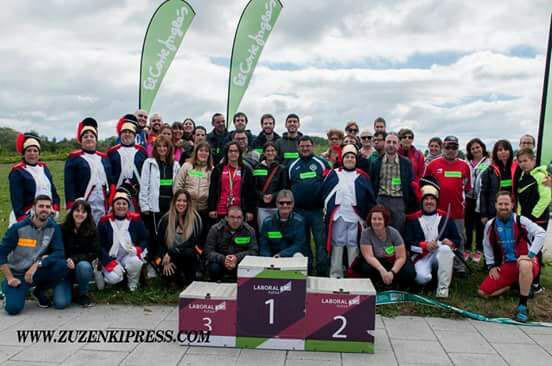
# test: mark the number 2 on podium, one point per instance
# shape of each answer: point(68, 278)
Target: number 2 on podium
point(270, 303)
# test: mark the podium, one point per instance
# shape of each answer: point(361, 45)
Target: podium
point(341, 315)
point(208, 306)
point(271, 303)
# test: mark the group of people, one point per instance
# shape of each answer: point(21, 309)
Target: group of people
point(177, 202)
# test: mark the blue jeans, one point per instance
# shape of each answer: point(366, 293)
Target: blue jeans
point(315, 223)
point(44, 278)
point(82, 275)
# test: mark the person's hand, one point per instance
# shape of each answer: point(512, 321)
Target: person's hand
point(168, 270)
point(14, 282)
point(70, 263)
point(213, 214)
point(387, 277)
point(249, 216)
point(495, 273)
point(166, 259)
point(484, 220)
point(547, 181)
point(267, 198)
point(432, 245)
point(230, 261)
point(30, 273)
point(448, 243)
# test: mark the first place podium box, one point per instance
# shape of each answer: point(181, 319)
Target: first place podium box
point(209, 307)
point(341, 315)
point(271, 302)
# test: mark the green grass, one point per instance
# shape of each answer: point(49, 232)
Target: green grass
point(462, 292)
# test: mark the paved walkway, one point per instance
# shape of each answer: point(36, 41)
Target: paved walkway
point(399, 341)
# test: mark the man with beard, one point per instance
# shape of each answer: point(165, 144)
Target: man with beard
point(32, 255)
point(250, 157)
point(287, 145)
point(217, 137)
point(510, 254)
point(156, 122)
point(240, 123)
point(267, 134)
point(432, 237)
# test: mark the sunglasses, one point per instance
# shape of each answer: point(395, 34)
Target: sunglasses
point(366, 137)
point(354, 130)
point(284, 203)
point(451, 147)
point(410, 137)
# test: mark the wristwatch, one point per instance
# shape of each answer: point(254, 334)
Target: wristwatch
point(39, 263)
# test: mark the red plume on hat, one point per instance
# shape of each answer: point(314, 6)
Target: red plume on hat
point(87, 124)
point(127, 122)
point(25, 140)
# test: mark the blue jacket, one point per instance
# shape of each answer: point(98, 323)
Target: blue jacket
point(306, 175)
point(364, 194)
point(23, 244)
point(414, 236)
point(115, 159)
point(136, 229)
point(77, 176)
point(408, 185)
point(23, 189)
point(282, 238)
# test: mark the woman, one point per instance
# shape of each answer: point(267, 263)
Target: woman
point(333, 154)
point(177, 139)
point(383, 256)
point(232, 184)
point(189, 126)
point(195, 178)
point(82, 247)
point(270, 178)
point(434, 146)
point(351, 128)
point(498, 177)
point(29, 178)
point(88, 172)
point(155, 194)
point(479, 161)
point(366, 141)
point(352, 140)
point(348, 196)
point(179, 232)
point(200, 135)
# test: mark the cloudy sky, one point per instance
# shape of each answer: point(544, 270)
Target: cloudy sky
point(470, 68)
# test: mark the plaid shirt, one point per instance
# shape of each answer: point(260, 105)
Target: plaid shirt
point(390, 177)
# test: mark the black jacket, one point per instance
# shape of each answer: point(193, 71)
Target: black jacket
point(279, 181)
point(177, 250)
point(222, 242)
point(217, 142)
point(247, 193)
point(260, 141)
point(80, 247)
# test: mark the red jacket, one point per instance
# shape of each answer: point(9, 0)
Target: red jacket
point(416, 157)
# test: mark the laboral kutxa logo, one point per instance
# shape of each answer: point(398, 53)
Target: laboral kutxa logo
point(208, 308)
point(273, 289)
point(340, 302)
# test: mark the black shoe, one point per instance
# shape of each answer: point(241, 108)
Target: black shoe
point(40, 297)
point(537, 288)
point(84, 301)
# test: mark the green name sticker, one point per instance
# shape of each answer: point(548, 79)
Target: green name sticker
point(396, 181)
point(242, 240)
point(291, 155)
point(505, 183)
point(260, 173)
point(196, 173)
point(275, 235)
point(259, 151)
point(307, 175)
point(390, 250)
point(453, 174)
point(166, 182)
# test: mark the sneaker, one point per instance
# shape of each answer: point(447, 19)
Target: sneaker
point(100, 281)
point(467, 255)
point(476, 257)
point(537, 288)
point(84, 301)
point(442, 293)
point(41, 299)
point(522, 314)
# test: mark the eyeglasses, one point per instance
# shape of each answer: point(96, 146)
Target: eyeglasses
point(156, 120)
point(410, 137)
point(353, 130)
point(366, 137)
point(451, 147)
point(285, 203)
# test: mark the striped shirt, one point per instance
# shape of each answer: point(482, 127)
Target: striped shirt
point(390, 177)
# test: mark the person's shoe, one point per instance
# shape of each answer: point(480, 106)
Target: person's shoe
point(476, 257)
point(84, 301)
point(537, 288)
point(133, 287)
point(442, 293)
point(151, 273)
point(41, 299)
point(100, 281)
point(522, 314)
point(467, 255)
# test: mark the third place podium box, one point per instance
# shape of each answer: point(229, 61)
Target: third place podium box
point(271, 302)
point(208, 306)
point(341, 315)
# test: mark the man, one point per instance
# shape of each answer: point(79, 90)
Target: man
point(267, 134)
point(217, 136)
point(432, 237)
point(393, 182)
point(509, 254)
point(123, 243)
point(379, 146)
point(379, 125)
point(156, 122)
point(283, 234)
point(454, 178)
point(250, 157)
point(366, 139)
point(306, 175)
point(240, 123)
point(407, 149)
point(533, 196)
point(287, 145)
point(228, 242)
point(127, 158)
point(32, 255)
point(527, 142)
point(141, 137)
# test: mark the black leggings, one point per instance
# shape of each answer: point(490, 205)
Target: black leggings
point(186, 262)
point(404, 279)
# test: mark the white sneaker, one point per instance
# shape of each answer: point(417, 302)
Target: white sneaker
point(442, 293)
point(151, 272)
point(100, 282)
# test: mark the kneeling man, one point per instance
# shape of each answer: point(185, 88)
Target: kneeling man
point(510, 255)
point(432, 237)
